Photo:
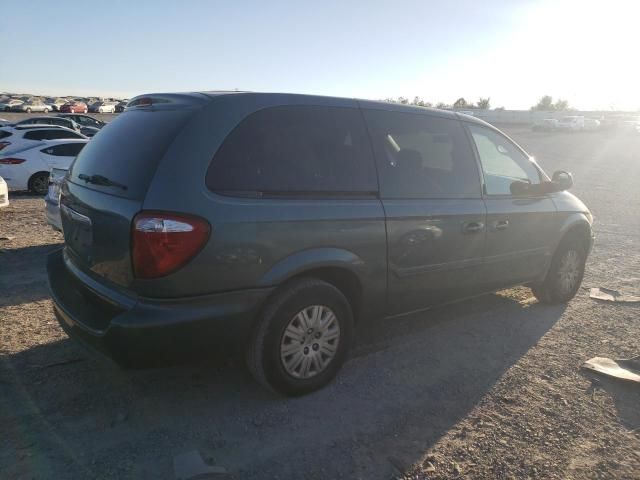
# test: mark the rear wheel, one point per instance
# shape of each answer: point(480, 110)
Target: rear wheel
point(28, 110)
point(565, 274)
point(302, 337)
point(46, 110)
point(39, 183)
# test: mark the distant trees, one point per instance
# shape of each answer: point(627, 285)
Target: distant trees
point(484, 103)
point(546, 103)
point(460, 103)
point(405, 101)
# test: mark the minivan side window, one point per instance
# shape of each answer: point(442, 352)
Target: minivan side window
point(297, 150)
point(502, 162)
point(422, 156)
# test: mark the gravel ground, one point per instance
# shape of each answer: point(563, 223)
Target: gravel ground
point(486, 388)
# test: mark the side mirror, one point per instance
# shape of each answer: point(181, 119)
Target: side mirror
point(563, 179)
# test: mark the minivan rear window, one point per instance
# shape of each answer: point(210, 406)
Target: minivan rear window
point(127, 152)
point(296, 150)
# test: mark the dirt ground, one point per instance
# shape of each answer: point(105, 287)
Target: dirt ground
point(486, 388)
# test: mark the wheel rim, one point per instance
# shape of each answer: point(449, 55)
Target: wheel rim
point(569, 271)
point(310, 341)
point(40, 185)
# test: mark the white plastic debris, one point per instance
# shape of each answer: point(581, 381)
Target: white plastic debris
point(190, 465)
point(612, 295)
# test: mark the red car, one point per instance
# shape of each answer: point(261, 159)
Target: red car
point(74, 107)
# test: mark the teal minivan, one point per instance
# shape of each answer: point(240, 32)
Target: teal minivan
point(286, 223)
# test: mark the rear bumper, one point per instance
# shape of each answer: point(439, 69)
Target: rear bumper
point(133, 330)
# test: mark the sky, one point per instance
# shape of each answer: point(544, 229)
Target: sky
point(512, 51)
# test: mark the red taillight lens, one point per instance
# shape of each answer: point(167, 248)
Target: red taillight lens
point(11, 161)
point(4, 144)
point(164, 242)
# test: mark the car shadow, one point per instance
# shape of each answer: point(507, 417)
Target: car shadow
point(404, 387)
point(625, 396)
point(23, 274)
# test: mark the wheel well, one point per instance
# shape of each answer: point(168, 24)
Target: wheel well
point(580, 233)
point(35, 175)
point(344, 280)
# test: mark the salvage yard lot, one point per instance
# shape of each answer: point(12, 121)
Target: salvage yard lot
point(487, 388)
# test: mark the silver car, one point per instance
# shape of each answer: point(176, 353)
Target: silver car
point(31, 106)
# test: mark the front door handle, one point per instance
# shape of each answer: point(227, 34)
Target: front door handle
point(473, 227)
point(501, 225)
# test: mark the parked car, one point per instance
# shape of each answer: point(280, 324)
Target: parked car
point(83, 120)
point(4, 193)
point(89, 131)
point(13, 139)
point(294, 220)
point(120, 106)
point(50, 120)
point(28, 169)
point(31, 106)
point(573, 123)
point(103, 107)
point(591, 124)
point(74, 107)
point(52, 198)
point(9, 104)
point(55, 103)
point(546, 125)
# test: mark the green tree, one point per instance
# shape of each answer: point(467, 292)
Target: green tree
point(484, 103)
point(545, 103)
point(460, 103)
point(561, 105)
point(442, 105)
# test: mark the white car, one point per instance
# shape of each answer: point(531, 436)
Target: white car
point(591, 124)
point(52, 199)
point(24, 136)
point(573, 123)
point(103, 107)
point(28, 169)
point(4, 193)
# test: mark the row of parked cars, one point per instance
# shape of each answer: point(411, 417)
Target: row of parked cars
point(37, 106)
point(580, 123)
point(31, 148)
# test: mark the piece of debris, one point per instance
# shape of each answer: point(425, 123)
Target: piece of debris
point(7, 237)
point(429, 467)
point(612, 295)
point(622, 369)
point(190, 465)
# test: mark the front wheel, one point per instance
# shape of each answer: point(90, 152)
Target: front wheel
point(302, 337)
point(28, 110)
point(565, 274)
point(46, 110)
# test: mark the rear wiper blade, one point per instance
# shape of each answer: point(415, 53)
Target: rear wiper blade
point(101, 180)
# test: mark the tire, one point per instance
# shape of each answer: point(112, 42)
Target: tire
point(46, 110)
point(267, 346)
point(560, 286)
point(28, 110)
point(39, 183)
point(85, 111)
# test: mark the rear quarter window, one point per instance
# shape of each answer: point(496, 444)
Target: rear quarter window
point(295, 150)
point(5, 134)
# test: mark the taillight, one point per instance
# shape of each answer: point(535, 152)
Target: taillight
point(4, 144)
point(11, 161)
point(164, 242)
